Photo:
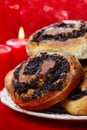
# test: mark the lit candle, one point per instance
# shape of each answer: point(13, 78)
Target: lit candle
point(18, 46)
point(5, 62)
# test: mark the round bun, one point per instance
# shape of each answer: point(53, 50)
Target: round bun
point(43, 80)
point(76, 102)
point(65, 36)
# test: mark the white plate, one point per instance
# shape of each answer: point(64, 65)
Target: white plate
point(6, 99)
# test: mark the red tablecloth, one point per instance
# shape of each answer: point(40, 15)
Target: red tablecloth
point(10, 119)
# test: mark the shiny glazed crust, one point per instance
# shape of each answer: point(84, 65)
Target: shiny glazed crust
point(65, 36)
point(77, 106)
point(44, 94)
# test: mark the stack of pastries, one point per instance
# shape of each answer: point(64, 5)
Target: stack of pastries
point(56, 70)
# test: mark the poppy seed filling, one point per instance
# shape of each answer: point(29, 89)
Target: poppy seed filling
point(61, 36)
point(33, 67)
point(77, 94)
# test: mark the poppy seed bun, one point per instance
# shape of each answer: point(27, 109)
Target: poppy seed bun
point(76, 102)
point(43, 80)
point(65, 36)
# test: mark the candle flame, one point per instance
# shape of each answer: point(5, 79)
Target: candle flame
point(21, 34)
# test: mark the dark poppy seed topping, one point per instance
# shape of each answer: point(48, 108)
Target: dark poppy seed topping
point(77, 94)
point(52, 80)
point(17, 70)
point(61, 35)
point(33, 66)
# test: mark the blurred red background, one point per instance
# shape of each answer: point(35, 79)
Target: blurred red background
point(34, 14)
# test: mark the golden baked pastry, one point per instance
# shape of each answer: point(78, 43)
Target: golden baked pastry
point(76, 102)
point(65, 36)
point(43, 80)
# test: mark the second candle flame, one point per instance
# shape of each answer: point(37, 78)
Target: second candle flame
point(21, 34)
